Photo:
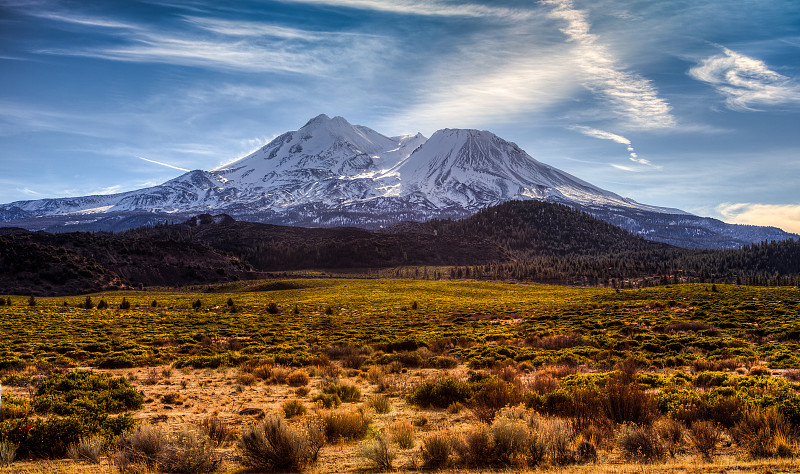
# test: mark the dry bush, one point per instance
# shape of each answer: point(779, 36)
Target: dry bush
point(379, 453)
point(188, 453)
point(559, 371)
point(493, 396)
point(759, 370)
point(298, 378)
point(245, 378)
point(263, 371)
point(543, 383)
point(273, 446)
point(87, 449)
point(376, 375)
point(152, 377)
point(380, 403)
point(556, 342)
point(402, 434)
point(762, 433)
point(140, 447)
point(302, 391)
point(557, 436)
point(292, 408)
point(688, 326)
point(509, 374)
point(623, 401)
point(671, 432)
point(585, 449)
point(8, 452)
point(279, 375)
point(640, 443)
point(172, 398)
point(455, 408)
point(474, 448)
point(217, 430)
point(342, 425)
point(436, 449)
point(704, 436)
point(510, 441)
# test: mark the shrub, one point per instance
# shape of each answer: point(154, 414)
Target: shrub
point(704, 436)
point(346, 393)
point(273, 446)
point(671, 433)
point(624, 401)
point(379, 453)
point(187, 453)
point(85, 391)
point(557, 436)
point(125, 304)
point(87, 449)
point(140, 447)
point(102, 304)
point(327, 400)
point(8, 451)
point(272, 308)
point(474, 447)
point(492, 396)
point(436, 449)
point(293, 408)
point(341, 425)
point(298, 378)
point(440, 394)
point(640, 443)
point(217, 430)
point(13, 407)
point(510, 441)
point(761, 432)
point(381, 404)
point(402, 434)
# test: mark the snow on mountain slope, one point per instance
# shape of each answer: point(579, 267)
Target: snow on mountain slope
point(333, 173)
point(472, 169)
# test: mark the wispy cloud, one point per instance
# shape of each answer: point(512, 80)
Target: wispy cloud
point(604, 135)
point(247, 46)
point(632, 97)
point(745, 82)
point(784, 216)
point(425, 8)
point(163, 164)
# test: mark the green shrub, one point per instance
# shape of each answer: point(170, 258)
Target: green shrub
point(491, 396)
point(346, 393)
point(381, 404)
point(293, 408)
point(440, 394)
point(327, 400)
point(85, 391)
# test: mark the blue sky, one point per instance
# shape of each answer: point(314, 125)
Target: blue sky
point(692, 104)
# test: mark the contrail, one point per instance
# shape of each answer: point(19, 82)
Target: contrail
point(163, 164)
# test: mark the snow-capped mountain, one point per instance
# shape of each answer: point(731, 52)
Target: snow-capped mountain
point(333, 173)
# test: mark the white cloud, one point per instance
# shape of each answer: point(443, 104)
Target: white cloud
point(425, 8)
point(604, 135)
point(163, 164)
point(230, 45)
point(784, 216)
point(630, 96)
point(745, 82)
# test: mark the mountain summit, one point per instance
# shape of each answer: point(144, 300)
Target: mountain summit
point(333, 173)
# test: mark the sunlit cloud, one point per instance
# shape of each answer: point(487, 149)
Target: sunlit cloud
point(425, 8)
point(746, 82)
point(784, 216)
point(632, 97)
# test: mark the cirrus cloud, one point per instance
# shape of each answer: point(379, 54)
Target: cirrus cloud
point(745, 82)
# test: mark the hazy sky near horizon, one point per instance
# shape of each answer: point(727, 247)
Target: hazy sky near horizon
point(693, 104)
